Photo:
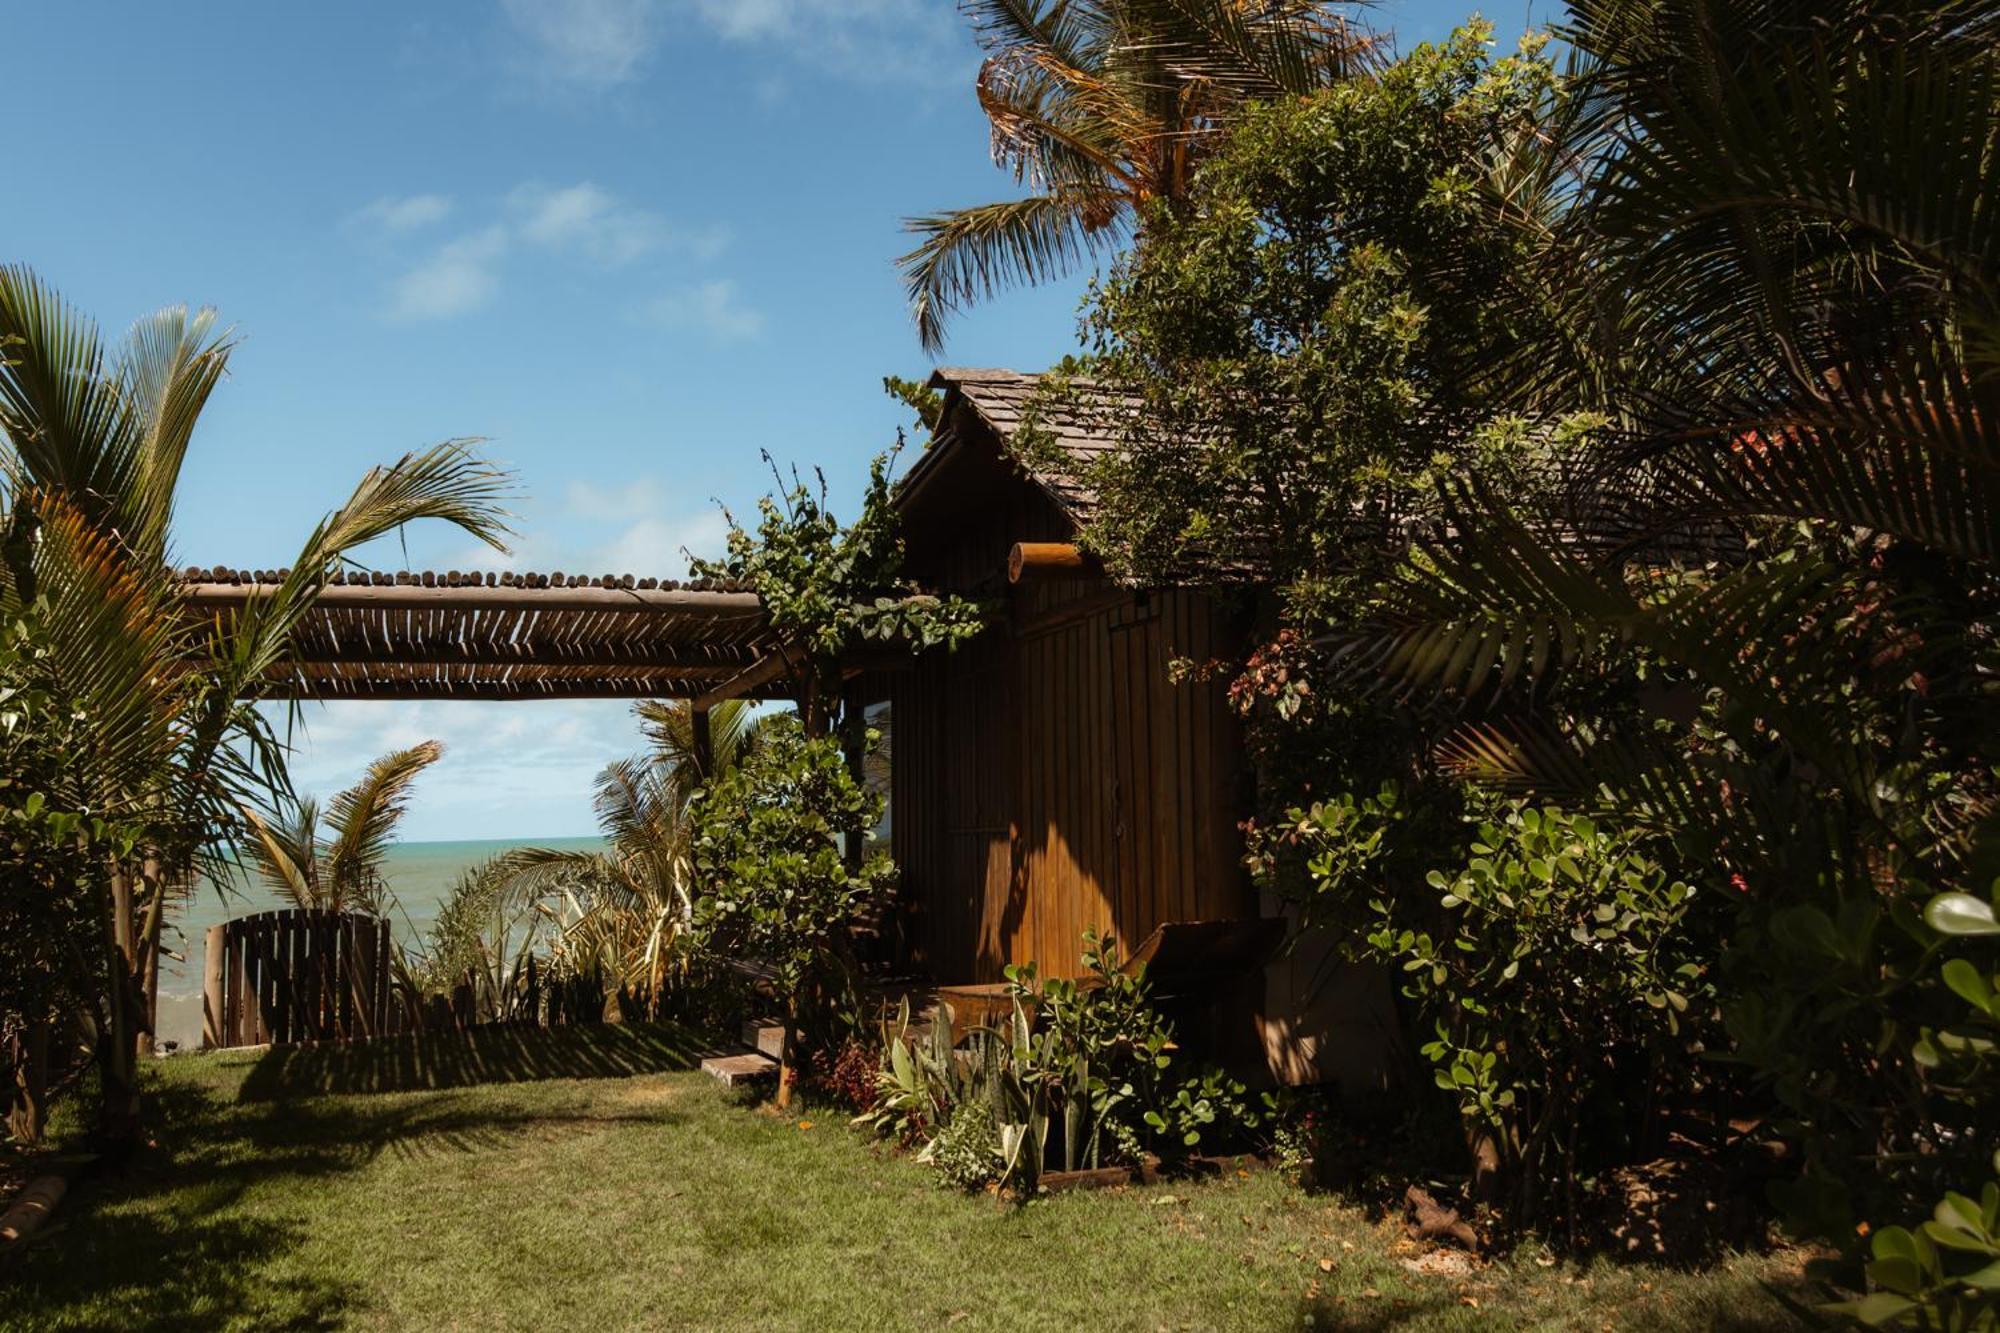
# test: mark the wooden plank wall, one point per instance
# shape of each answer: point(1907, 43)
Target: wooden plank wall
point(296, 975)
point(1051, 777)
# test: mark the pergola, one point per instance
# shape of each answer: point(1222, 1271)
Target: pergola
point(474, 635)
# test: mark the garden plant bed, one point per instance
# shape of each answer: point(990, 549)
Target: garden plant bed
point(413, 1206)
point(1152, 1171)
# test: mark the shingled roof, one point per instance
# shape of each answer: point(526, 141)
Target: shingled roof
point(492, 635)
point(1082, 425)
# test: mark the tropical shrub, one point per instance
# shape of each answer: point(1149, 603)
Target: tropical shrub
point(1786, 511)
point(848, 1074)
point(483, 938)
point(776, 881)
point(966, 1151)
point(50, 864)
point(1560, 978)
point(828, 587)
point(1943, 1273)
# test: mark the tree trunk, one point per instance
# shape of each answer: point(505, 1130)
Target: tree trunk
point(118, 1045)
point(1487, 1189)
point(28, 1110)
point(786, 1045)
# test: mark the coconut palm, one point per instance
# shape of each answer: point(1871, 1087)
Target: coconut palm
point(94, 441)
point(1102, 107)
point(340, 870)
point(622, 911)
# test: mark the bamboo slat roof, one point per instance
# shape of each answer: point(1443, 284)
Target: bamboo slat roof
point(479, 635)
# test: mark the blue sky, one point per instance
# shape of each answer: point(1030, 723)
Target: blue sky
point(629, 242)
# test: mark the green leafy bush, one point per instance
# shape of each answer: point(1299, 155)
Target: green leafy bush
point(776, 884)
point(966, 1152)
point(1555, 958)
point(1942, 1274)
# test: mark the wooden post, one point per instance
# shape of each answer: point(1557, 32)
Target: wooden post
point(379, 992)
point(213, 1002)
point(704, 740)
point(854, 745)
point(361, 965)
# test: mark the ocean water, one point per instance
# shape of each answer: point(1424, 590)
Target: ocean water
point(420, 877)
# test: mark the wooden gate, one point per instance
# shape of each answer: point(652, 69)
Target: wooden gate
point(296, 975)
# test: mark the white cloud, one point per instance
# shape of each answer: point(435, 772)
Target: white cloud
point(587, 219)
point(641, 527)
point(710, 308)
point(510, 770)
point(598, 504)
point(924, 42)
point(659, 547)
point(596, 43)
point(458, 278)
point(582, 222)
point(602, 44)
point(741, 20)
point(403, 213)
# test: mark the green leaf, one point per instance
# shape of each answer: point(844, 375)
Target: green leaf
point(1966, 982)
point(1877, 1309)
point(1961, 914)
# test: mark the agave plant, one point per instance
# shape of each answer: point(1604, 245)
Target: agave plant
point(94, 442)
point(1102, 107)
point(340, 870)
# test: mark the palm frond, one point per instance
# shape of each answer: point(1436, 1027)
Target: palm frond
point(66, 423)
point(115, 629)
point(364, 818)
point(446, 482)
point(165, 370)
point(284, 851)
point(972, 253)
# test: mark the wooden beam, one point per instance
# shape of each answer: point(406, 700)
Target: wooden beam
point(1059, 560)
point(744, 682)
point(415, 597)
point(329, 688)
point(704, 741)
point(658, 657)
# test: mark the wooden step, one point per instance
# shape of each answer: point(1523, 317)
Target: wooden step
point(766, 1036)
point(734, 1070)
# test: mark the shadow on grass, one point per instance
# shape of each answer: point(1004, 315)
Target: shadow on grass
point(1744, 1306)
point(414, 1062)
point(204, 1229)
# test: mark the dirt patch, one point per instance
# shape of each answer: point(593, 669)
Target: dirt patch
point(648, 1091)
point(1442, 1263)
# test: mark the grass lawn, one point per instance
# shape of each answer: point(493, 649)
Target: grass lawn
point(475, 1184)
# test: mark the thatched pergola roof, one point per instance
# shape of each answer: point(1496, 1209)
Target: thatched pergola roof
point(512, 636)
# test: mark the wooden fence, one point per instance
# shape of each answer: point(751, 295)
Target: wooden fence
point(297, 975)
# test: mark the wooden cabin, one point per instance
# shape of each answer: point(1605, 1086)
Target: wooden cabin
point(1052, 776)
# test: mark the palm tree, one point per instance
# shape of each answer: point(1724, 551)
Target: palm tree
point(1102, 107)
point(1775, 250)
point(94, 441)
point(340, 872)
point(622, 911)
